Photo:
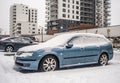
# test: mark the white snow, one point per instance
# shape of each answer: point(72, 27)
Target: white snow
point(86, 74)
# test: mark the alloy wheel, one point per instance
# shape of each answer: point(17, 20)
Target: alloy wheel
point(49, 64)
point(9, 49)
point(103, 60)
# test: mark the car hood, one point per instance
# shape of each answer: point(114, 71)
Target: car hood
point(36, 47)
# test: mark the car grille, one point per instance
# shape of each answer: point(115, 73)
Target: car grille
point(19, 64)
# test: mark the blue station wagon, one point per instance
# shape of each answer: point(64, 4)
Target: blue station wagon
point(65, 50)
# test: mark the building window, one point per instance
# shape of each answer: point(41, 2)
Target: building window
point(19, 24)
point(64, 10)
point(64, 15)
point(64, 5)
point(64, 0)
point(77, 12)
point(33, 28)
point(14, 6)
point(19, 28)
point(33, 32)
point(68, 16)
point(68, 1)
point(73, 11)
point(77, 2)
point(33, 25)
point(73, 16)
point(73, 1)
point(68, 5)
point(68, 11)
point(77, 7)
point(73, 6)
point(77, 17)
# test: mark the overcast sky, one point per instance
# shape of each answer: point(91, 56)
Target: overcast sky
point(40, 5)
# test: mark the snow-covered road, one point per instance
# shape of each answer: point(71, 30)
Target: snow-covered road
point(86, 74)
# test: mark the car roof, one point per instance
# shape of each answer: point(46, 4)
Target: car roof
point(14, 37)
point(83, 34)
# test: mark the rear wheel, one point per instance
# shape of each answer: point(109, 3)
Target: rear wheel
point(9, 49)
point(49, 63)
point(103, 60)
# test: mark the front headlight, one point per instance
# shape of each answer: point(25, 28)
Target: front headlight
point(26, 54)
point(23, 54)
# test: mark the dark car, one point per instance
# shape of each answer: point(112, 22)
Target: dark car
point(12, 44)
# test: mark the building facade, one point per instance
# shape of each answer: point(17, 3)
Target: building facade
point(102, 13)
point(23, 20)
point(62, 14)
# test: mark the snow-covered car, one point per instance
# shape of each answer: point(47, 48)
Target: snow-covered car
point(70, 49)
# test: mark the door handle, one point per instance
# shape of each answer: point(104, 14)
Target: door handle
point(82, 48)
point(97, 48)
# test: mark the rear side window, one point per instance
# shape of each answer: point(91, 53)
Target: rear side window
point(89, 40)
point(17, 39)
point(26, 40)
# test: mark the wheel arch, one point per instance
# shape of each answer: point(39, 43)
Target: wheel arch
point(53, 55)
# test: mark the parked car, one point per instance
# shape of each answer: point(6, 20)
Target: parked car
point(65, 50)
point(12, 44)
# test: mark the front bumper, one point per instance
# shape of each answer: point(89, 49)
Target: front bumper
point(27, 64)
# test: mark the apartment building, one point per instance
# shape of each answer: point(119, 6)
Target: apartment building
point(102, 18)
point(23, 20)
point(87, 12)
point(62, 14)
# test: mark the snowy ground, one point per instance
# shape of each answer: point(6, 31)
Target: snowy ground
point(86, 74)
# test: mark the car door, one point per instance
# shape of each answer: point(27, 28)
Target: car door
point(91, 49)
point(16, 43)
point(73, 52)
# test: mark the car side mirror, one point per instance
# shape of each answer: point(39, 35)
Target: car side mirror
point(69, 45)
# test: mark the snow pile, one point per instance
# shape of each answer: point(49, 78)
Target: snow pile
point(86, 74)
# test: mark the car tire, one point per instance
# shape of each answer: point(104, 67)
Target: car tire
point(103, 59)
point(48, 63)
point(9, 49)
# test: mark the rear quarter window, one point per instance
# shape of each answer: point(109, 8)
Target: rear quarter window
point(89, 40)
point(102, 40)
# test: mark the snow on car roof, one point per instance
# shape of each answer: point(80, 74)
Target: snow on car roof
point(84, 34)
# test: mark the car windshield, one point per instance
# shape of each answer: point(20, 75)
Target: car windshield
point(58, 40)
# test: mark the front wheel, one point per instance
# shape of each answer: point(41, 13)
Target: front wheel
point(48, 63)
point(103, 60)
